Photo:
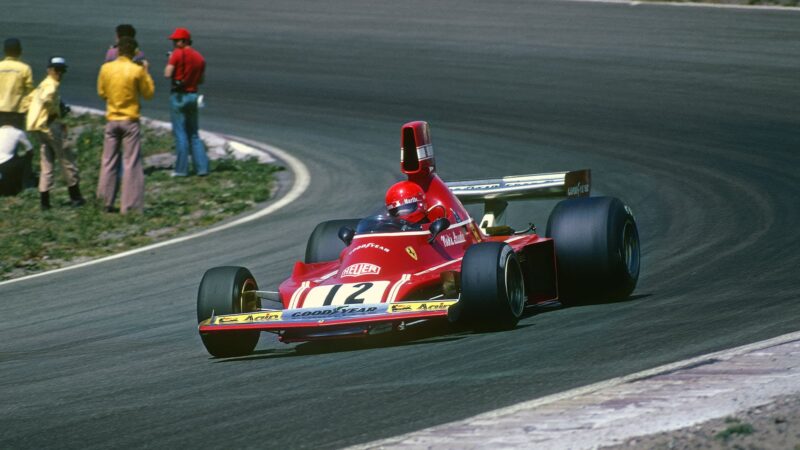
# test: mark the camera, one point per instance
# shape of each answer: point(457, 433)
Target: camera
point(178, 86)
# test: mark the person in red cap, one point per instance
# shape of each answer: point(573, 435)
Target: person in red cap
point(185, 68)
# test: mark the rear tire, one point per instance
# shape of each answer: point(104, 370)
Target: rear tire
point(492, 288)
point(324, 243)
point(597, 249)
point(224, 290)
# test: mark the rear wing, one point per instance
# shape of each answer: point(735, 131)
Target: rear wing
point(496, 193)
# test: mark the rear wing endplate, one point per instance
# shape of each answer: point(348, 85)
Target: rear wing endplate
point(496, 193)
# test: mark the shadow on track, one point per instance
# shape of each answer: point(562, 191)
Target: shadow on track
point(426, 333)
point(433, 332)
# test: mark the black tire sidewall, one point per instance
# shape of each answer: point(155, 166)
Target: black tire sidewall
point(588, 238)
point(220, 290)
point(219, 293)
point(485, 302)
point(324, 243)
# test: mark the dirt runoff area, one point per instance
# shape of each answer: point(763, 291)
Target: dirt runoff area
point(789, 3)
point(772, 426)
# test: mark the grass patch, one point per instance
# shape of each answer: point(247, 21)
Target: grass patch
point(735, 427)
point(32, 240)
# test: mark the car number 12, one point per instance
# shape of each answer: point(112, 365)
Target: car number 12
point(346, 294)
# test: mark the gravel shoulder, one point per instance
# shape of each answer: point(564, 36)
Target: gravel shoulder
point(772, 426)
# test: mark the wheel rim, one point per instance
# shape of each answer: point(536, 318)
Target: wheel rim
point(515, 288)
point(248, 300)
point(630, 248)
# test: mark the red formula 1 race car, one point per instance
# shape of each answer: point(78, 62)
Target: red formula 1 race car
point(424, 258)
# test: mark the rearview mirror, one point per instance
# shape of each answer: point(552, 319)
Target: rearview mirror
point(346, 235)
point(437, 227)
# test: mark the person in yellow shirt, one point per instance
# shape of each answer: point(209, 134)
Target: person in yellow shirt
point(16, 82)
point(121, 83)
point(44, 123)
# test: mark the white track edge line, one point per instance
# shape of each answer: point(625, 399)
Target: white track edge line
point(302, 179)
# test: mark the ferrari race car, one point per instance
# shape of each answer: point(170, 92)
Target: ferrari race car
point(368, 276)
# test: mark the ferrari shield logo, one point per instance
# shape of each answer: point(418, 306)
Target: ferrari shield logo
point(411, 252)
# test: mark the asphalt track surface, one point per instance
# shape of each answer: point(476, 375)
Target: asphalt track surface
point(689, 115)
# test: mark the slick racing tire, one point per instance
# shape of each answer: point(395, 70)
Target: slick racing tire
point(492, 288)
point(324, 243)
point(228, 290)
point(597, 249)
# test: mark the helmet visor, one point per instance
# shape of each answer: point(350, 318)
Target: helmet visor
point(404, 210)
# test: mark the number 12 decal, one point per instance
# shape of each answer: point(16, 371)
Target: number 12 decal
point(346, 294)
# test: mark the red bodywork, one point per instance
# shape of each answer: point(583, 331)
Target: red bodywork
point(389, 269)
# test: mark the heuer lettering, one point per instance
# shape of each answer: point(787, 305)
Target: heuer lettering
point(359, 269)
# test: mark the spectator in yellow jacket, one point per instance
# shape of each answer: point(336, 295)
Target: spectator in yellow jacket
point(44, 123)
point(16, 82)
point(121, 83)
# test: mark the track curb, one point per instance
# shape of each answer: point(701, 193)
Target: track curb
point(690, 4)
point(664, 398)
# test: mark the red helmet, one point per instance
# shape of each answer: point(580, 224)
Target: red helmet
point(406, 200)
point(180, 34)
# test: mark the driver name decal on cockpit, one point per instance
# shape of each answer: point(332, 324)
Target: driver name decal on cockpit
point(449, 240)
point(357, 270)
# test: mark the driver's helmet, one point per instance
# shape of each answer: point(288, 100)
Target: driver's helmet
point(406, 200)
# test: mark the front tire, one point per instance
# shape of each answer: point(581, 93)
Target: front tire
point(324, 243)
point(492, 288)
point(597, 249)
point(228, 290)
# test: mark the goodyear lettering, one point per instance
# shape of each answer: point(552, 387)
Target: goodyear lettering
point(369, 245)
point(339, 310)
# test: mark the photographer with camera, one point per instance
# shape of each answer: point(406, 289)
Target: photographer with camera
point(186, 69)
point(44, 123)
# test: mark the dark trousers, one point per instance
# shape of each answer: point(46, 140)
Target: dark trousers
point(16, 120)
point(11, 175)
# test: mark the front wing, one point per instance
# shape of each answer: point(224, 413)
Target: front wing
point(276, 320)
